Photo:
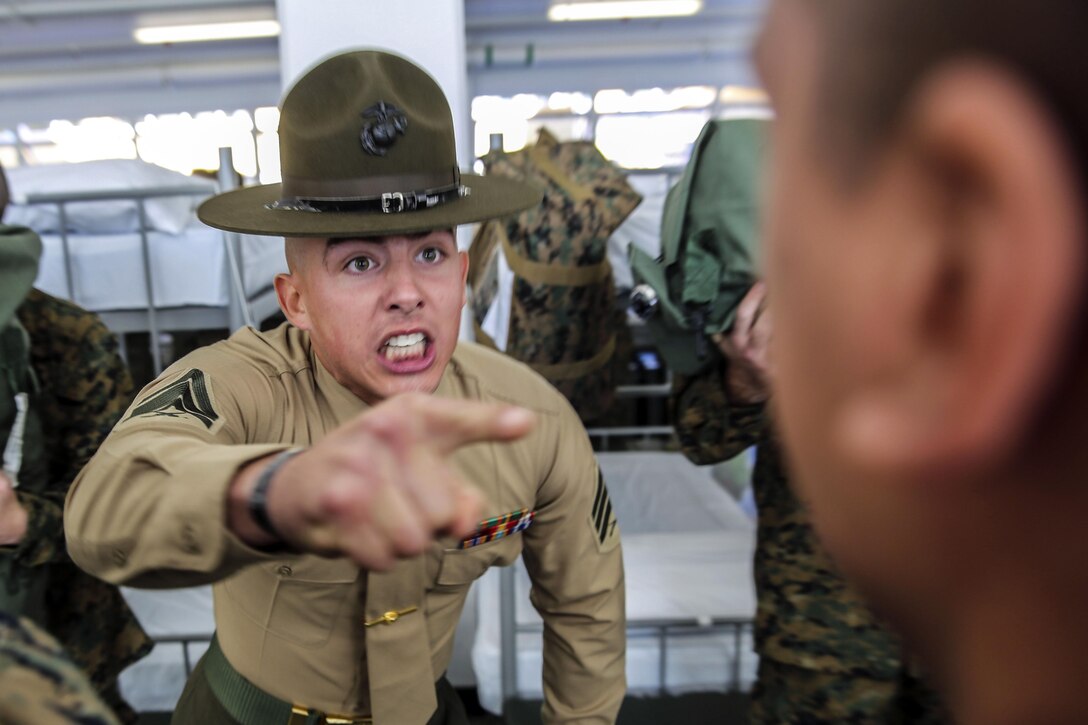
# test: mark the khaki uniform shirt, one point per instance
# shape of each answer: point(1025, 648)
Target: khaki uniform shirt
point(150, 510)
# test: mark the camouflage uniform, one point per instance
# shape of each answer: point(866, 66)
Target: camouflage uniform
point(82, 388)
point(824, 657)
point(39, 684)
point(563, 319)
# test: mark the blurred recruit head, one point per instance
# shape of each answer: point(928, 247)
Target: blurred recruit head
point(925, 259)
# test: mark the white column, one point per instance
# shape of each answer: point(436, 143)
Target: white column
point(431, 34)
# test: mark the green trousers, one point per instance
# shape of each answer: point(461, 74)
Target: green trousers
point(199, 706)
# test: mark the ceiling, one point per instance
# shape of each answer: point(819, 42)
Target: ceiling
point(77, 58)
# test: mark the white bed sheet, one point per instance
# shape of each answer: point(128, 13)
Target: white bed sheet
point(687, 549)
point(155, 682)
point(188, 269)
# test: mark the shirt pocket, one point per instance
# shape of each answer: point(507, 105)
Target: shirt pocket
point(298, 600)
point(458, 568)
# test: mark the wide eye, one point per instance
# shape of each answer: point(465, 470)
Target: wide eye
point(359, 264)
point(431, 255)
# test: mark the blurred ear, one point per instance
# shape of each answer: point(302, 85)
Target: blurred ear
point(292, 300)
point(983, 326)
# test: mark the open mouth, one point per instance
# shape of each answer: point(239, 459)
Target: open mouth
point(410, 346)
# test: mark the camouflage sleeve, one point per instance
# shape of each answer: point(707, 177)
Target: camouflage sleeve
point(85, 390)
point(709, 428)
point(44, 540)
point(39, 684)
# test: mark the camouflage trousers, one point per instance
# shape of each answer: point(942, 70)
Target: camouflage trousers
point(789, 695)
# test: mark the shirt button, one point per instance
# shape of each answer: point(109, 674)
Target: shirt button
point(285, 570)
point(189, 544)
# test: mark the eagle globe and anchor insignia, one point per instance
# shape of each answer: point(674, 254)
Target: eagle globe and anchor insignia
point(383, 123)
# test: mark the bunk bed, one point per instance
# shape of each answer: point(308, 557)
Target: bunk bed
point(121, 238)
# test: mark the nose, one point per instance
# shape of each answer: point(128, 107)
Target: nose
point(404, 293)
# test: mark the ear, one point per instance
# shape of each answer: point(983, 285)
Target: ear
point(292, 301)
point(464, 277)
point(986, 320)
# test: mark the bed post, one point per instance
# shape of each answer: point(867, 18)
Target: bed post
point(237, 308)
point(508, 634)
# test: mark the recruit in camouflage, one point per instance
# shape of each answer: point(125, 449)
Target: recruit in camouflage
point(81, 389)
point(824, 657)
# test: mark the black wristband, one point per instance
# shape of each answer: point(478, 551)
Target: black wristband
point(258, 499)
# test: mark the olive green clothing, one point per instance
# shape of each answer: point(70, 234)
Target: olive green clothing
point(198, 704)
point(81, 387)
point(709, 243)
point(24, 461)
point(149, 510)
point(39, 685)
point(20, 249)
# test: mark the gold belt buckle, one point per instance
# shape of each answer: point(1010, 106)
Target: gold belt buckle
point(300, 715)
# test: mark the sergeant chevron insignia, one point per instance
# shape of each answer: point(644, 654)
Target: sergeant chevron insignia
point(602, 518)
point(189, 398)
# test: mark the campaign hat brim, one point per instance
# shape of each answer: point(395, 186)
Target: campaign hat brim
point(248, 211)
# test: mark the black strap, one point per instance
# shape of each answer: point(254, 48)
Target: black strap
point(391, 202)
point(258, 498)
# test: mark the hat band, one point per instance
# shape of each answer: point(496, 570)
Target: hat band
point(350, 195)
point(390, 202)
point(364, 188)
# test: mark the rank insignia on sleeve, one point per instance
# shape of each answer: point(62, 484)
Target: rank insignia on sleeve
point(498, 527)
point(189, 398)
point(601, 517)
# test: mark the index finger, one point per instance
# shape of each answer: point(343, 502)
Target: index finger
point(451, 424)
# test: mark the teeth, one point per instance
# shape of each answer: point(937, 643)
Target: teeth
point(400, 347)
point(405, 340)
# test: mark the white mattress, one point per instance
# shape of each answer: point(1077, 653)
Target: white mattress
point(188, 269)
point(687, 550)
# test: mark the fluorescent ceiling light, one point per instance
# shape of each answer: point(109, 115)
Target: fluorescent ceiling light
point(622, 9)
point(207, 31)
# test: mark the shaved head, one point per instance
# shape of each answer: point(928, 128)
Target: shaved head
point(295, 250)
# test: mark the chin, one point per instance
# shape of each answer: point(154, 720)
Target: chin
point(416, 384)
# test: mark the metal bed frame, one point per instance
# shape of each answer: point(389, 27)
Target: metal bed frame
point(239, 310)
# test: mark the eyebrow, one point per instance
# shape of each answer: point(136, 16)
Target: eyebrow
point(330, 244)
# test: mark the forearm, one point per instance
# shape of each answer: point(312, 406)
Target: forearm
point(584, 660)
point(160, 517)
